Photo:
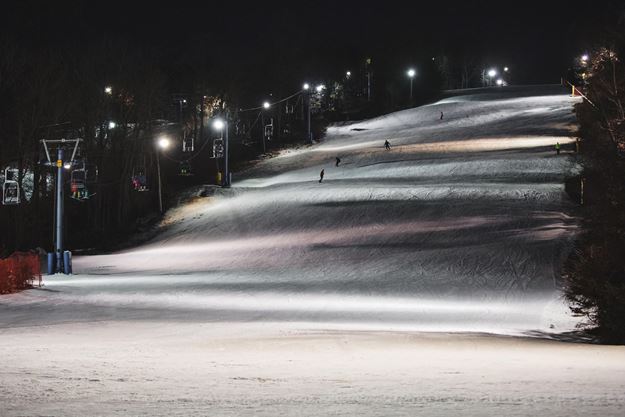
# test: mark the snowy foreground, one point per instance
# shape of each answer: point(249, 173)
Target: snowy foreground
point(422, 280)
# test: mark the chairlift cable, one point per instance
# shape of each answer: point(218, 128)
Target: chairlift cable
point(275, 102)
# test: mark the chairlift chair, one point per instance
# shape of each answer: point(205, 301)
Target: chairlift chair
point(10, 188)
point(218, 148)
point(188, 144)
point(139, 181)
point(79, 182)
point(269, 130)
point(139, 178)
point(185, 169)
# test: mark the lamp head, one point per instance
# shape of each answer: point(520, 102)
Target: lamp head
point(163, 142)
point(218, 124)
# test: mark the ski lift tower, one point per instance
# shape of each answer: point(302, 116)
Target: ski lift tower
point(62, 265)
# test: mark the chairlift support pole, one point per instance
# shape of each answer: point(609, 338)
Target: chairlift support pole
point(58, 238)
point(59, 210)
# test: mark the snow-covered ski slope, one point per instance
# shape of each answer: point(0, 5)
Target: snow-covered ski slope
point(286, 297)
point(461, 226)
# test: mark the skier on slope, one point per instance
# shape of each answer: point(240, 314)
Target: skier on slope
point(321, 174)
point(557, 148)
point(387, 145)
point(441, 116)
point(338, 161)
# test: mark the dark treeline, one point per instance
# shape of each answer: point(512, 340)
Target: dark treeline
point(595, 273)
point(54, 92)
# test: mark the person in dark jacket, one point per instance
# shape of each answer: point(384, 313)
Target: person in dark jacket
point(321, 174)
point(387, 145)
point(338, 161)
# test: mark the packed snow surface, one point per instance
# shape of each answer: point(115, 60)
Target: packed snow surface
point(368, 293)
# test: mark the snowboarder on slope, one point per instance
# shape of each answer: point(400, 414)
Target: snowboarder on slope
point(321, 174)
point(387, 144)
point(557, 148)
point(338, 161)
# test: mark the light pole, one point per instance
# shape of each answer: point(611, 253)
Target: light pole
point(491, 74)
point(163, 143)
point(307, 91)
point(411, 73)
point(266, 106)
point(222, 125)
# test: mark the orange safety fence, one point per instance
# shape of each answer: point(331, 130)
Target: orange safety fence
point(20, 271)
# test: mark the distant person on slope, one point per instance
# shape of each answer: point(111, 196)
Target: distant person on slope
point(321, 174)
point(387, 144)
point(441, 116)
point(557, 148)
point(338, 161)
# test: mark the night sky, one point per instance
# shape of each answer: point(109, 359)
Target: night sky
point(276, 45)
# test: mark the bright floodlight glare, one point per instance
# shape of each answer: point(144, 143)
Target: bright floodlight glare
point(492, 73)
point(266, 105)
point(306, 86)
point(108, 89)
point(505, 69)
point(411, 73)
point(112, 125)
point(500, 82)
point(218, 124)
point(67, 165)
point(320, 87)
point(163, 143)
point(584, 58)
point(348, 73)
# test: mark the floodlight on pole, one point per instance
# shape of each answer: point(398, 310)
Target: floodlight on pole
point(320, 88)
point(67, 165)
point(108, 90)
point(348, 74)
point(505, 69)
point(266, 105)
point(218, 124)
point(492, 72)
point(500, 82)
point(411, 73)
point(112, 125)
point(222, 125)
point(163, 142)
point(584, 58)
point(307, 99)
